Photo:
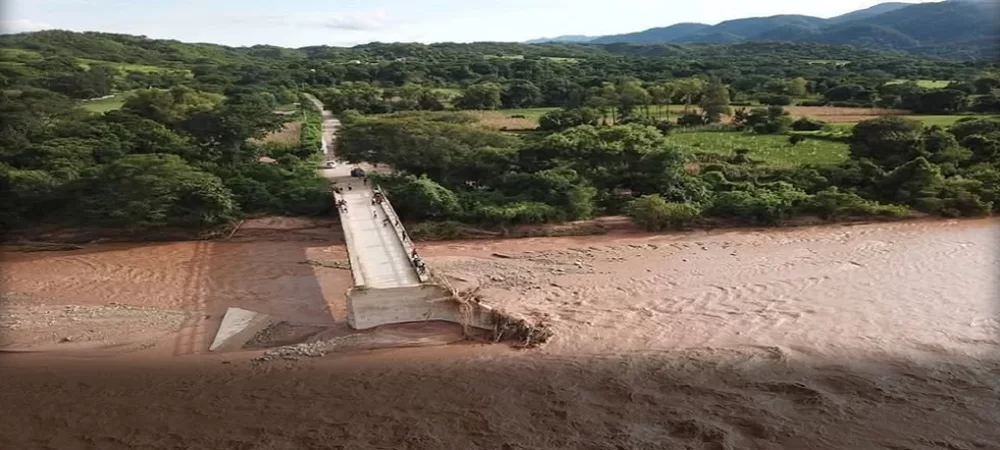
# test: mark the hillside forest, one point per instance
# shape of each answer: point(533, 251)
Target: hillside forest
point(128, 133)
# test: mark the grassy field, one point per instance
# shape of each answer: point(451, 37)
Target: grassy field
point(500, 120)
point(942, 121)
point(124, 67)
point(532, 114)
point(827, 61)
point(104, 105)
point(290, 134)
point(929, 84)
point(562, 60)
point(772, 149)
point(287, 107)
point(16, 54)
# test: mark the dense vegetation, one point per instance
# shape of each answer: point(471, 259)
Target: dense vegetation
point(451, 170)
point(181, 146)
point(175, 157)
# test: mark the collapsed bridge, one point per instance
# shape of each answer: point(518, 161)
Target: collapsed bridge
point(391, 283)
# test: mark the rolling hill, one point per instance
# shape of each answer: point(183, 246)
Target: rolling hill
point(568, 39)
point(664, 34)
point(860, 14)
point(961, 29)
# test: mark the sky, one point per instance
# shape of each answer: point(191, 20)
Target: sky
point(299, 23)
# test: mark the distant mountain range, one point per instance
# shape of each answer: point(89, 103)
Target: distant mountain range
point(970, 28)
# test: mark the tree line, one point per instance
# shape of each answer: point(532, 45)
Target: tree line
point(167, 158)
point(450, 169)
point(184, 149)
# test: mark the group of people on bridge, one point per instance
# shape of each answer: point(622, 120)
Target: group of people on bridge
point(418, 262)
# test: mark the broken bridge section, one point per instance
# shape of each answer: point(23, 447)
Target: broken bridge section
point(389, 287)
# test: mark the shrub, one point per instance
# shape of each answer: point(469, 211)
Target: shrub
point(568, 118)
point(655, 213)
point(740, 156)
point(758, 205)
point(795, 139)
point(516, 213)
point(691, 120)
point(832, 204)
point(776, 99)
point(851, 104)
point(807, 124)
point(665, 126)
point(814, 103)
point(770, 120)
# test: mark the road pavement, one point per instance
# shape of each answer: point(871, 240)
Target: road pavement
point(374, 245)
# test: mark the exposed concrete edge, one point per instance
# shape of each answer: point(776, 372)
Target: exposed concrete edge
point(370, 308)
point(356, 273)
point(238, 326)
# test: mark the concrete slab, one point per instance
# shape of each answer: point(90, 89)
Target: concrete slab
point(370, 308)
point(376, 245)
point(238, 326)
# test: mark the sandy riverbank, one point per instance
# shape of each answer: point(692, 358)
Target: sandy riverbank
point(871, 336)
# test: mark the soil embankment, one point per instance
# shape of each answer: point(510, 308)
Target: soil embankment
point(868, 336)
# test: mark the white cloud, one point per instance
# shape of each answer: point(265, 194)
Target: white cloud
point(370, 20)
point(22, 25)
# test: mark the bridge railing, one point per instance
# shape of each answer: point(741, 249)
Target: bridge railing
point(356, 273)
point(404, 239)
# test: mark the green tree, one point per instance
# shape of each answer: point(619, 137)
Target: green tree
point(481, 96)
point(562, 119)
point(688, 88)
point(986, 85)
point(560, 187)
point(798, 87)
point(419, 198)
point(170, 106)
point(715, 101)
point(631, 95)
point(943, 101)
point(155, 190)
point(520, 94)
point(887, 141)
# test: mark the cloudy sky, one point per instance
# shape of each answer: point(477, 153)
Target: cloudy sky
point(297, 23)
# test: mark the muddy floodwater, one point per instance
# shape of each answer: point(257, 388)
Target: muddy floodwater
point(881, 336)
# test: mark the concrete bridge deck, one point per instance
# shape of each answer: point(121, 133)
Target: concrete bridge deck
point(388, 289)
point(376, 246)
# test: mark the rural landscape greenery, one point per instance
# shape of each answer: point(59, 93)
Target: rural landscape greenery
point(129, 133)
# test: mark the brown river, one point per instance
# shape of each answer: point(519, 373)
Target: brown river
point(881, 336)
